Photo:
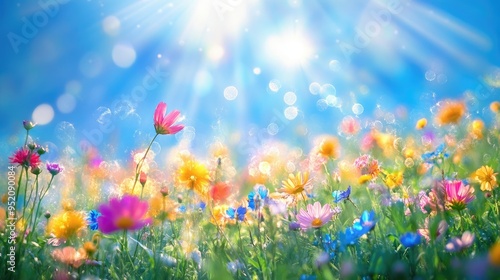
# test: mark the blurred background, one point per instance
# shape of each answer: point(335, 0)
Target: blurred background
point(91, 73)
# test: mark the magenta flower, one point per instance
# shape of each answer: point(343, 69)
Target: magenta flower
point(127, 213)
point(315, 216)
point(164, 124)
point(25, 158)
point(54, 168)
point(457, 194)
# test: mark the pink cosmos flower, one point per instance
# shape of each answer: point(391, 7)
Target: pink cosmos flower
point(315, 216)
point(164, 124)
point(127, 213)
point(457, 194)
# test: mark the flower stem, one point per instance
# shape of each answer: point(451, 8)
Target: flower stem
point(140, 163)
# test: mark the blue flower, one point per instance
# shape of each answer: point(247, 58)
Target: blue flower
point(431, 157)
point(238, 213)
point(182, 208)
point(366, 222)
point(231, 212)
point(202, 205)
point(256, 197)
point(410, 239)
point(92, 219)
point(338, 196)
point(241, 211)
point(307, 277)
point(329, 245)
point(349, 237)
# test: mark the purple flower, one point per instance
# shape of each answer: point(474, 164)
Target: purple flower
point(294, 226)
point(460, 243)
point(54, 168)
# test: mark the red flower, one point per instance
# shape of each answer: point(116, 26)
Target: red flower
point(220, 191)
point(164, 124)
point(25, 158)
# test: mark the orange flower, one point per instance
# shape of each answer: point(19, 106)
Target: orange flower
point(162, 207)
point(328, 147)
point(494, 254)
point(451, 112)
point(495, 106)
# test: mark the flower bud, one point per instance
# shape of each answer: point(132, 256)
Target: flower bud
point(36, 170)
point(143, 178)
point(28, 125)
point(164, 191)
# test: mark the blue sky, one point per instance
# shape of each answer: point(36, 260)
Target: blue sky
point(102, 66)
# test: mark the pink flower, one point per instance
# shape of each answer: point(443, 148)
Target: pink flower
point(25, 158)
point(315, 216)
point(164, 123)
point(460, 243)
point(457, 194)
point(70, 256)
point(437, 234)
point(127, 213)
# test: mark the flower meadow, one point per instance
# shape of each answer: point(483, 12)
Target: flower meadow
point(366, 203)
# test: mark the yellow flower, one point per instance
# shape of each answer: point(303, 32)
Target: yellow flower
point(194, 176)
point(328, 147)
point(477, 129)
point(486, 176)
point(295, 184)
point(451, 112)
point(364, 178)
point(161, 208)
point(219, 215)
point(393, 180)
point(67, 224)
point(421, 123)
point(495, 106)
point(68, 204)
point(494, 255)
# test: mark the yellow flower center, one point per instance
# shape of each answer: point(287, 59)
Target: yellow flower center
point(317, 222)
point(124, 223)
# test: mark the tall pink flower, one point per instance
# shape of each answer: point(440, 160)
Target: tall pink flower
point(127, 213)
point(164, 123)
point(315, 216)
point(457, 194)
